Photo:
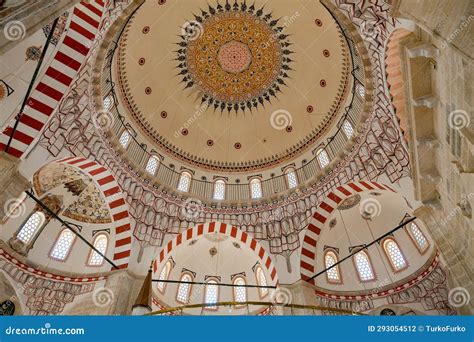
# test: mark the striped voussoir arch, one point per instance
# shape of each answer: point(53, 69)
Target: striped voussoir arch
point(116, 202)
point(325, 208)
point(82, 28)
point(226, 229)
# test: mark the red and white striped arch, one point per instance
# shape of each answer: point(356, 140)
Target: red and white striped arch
point(325, 208)
point(225, 229)
point(85, 19)
point(116, 202)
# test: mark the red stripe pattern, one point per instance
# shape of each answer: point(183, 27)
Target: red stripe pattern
point(192, 233)
point(324, 210)
point(46, 96)
point(116, 202)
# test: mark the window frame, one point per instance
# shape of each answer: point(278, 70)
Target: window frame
point(260, 289)
point(190, 181)
point(128, 141)
point(57, 240)
point(287, 171)
point(220, 181)
point(158, 161)
point(256, 180)
point(344, 122)
point(374, 278)
point(88, 264)
point(318, 153)
point(169, 267)
point(360, 90)
point(36, 230)
point(215, 307)
point(415, 242)
point(243, 304)
point(190, 288)
point(338, 269)
point(387, 255)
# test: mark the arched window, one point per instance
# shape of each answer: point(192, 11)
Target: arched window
point(363, 266)
point(164, 274)
point(240, 291)
point(418, 238)
point(211, 294)
point(219, 189)
point(31, 227)
point(152, 165)
point(256, 188)
point(348, 129)
point(323, 158)
point(394, 254)
point(108, 102)
point(63, 245)
point(261, 281)
point(184, 181)
point(333, 275)
point(100, 243)
point(360, 90)
point(184, 288)
point(125, 139)
point(291, 178)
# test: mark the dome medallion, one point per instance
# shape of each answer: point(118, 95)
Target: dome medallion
point(235, 57)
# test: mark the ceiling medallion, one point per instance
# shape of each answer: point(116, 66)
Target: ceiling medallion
point(349, 202)
point(235, 56)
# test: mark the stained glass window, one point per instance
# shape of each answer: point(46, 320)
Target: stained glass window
point(418, 236)
point(184, 181)
point(240, 291)
point(393, 252)
point(256, 188)
point(261, 281)
point(100, 243)
point(219, 189)
point(125, 139)
point(63, 245)
point(152, 165)
point(291, 178)
point(211, 295)
point(164, 276)
point(184, 289)
point(323, 158)
point(364, 268)
point(332, 274)
point(30, 227)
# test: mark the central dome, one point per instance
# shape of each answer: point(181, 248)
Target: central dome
point(231, 87)
point(238, 60)
point(234, 57)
